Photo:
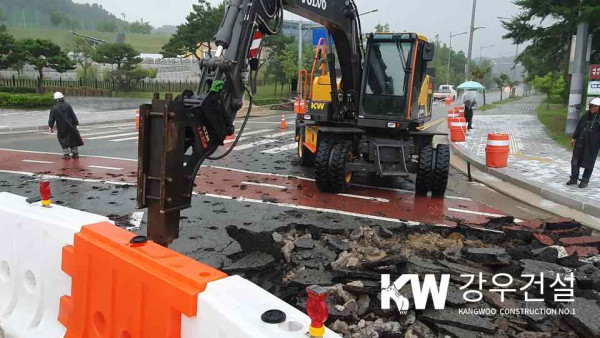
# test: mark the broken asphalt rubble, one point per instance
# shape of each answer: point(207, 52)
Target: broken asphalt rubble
point(350, 263)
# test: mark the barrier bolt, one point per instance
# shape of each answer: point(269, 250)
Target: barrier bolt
point(316, 308)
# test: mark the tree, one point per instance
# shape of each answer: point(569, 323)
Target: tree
point(551, 84)
point(2, 16)
point(120, 54)
point(127, 60)
point(82, 55)
point(481, 73)
point(44, 54)
point(502, 81)
point(194, 35)
point(548, 27)
point(7, 49)
point(382, 28)
point(140, 27)
point(56, 18)
point(107, 26)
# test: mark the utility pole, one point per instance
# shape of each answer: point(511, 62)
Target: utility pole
point(472, 30)
point(579, 72)
point(300, 38)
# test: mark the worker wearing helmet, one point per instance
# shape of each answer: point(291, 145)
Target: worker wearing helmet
point(66, 124)
point(586, 143)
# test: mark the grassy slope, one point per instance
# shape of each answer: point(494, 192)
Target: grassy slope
point(144, 43)
point(554, 118)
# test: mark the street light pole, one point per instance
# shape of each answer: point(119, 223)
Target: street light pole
point(472, 30)
point(450, 53)
point(481, 51)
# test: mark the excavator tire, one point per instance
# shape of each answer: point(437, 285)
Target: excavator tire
point(339, 177)
point(441, 170)
point(305, 157)
point(423, 181)
point(322, 164)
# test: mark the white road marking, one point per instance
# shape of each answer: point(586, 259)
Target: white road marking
point(109, 136)
point(66, 178)
point(51, 153)
point(100, 133)
point(103, 126)
point(248, 133)
point(36, 161)
point(233, 140)
point(281, 134)
point(475, 212)
point(383, 200)
point(125, 139)
point(254, 144)
point(304, 207)
point(281, 149)
point(266, 185)
point(102, 167)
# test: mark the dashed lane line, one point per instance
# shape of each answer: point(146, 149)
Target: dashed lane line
point(266, 185)
point(103, 167)
point(109, 136)
point(37, 161)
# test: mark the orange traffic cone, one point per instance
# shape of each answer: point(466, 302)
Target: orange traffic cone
point(283, 124)
point(137, 120)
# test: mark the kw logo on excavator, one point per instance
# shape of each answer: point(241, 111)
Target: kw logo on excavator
point(317, 106)
point(322, 4)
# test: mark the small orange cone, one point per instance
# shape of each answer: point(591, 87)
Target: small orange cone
point(283, 124)
point(137, 120)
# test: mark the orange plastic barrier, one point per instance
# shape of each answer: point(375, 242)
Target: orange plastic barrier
point(137, 120)
point(449, 100)
point(125, 287)
point(458, 129)
point(497, 150)
point(452, 115)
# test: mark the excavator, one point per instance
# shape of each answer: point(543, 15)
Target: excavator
point(372, 120)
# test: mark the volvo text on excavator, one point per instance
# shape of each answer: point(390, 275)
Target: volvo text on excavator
point(371, 121)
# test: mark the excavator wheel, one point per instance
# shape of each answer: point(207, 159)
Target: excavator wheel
point(441, 170)
point(339, 177)
point(305, 157)
point(322, 164)
point(423, 182)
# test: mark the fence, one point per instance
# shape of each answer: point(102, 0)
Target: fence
point(102, 85)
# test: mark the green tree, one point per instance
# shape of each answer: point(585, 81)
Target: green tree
point(548, 26)
point(140, 27)
point(44, 54)
point(56, 18)
point(126, 58)
point(382, 28)
point(82, 55)
point(458, 61)
point(552, 84)
point(501, 82)
point(121, 54)
point(482, 72)
point(8, 49)
point(107, 26)
point(197, 32)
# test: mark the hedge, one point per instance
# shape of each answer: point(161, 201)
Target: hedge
point(17, 90)
point(23, 101)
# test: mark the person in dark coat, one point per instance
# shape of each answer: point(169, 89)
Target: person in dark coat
point(586, 143)
point(66, 124)
point(470, 101)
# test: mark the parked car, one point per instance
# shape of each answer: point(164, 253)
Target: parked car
point(444, 91)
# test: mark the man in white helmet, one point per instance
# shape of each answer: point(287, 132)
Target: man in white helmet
point(66, 124)
point(586, 143)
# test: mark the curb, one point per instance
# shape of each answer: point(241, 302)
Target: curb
point(515, 179)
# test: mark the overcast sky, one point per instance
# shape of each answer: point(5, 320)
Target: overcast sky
point(429, 17)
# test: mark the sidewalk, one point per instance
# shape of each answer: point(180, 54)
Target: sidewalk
point(536, 162)
point(90, 111)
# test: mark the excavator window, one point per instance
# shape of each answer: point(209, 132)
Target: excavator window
point(387, 77)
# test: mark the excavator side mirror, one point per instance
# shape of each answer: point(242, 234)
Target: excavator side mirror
point(428, 52)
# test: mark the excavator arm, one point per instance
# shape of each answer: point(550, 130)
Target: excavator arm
point(178, 134)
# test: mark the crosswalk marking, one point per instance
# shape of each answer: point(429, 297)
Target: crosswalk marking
point(248, 133)
point(233, 140)
point(102, 167)
point(255, 144)
point(281, 149)
point(99, 133)
point(125, 139)
point(114, 135)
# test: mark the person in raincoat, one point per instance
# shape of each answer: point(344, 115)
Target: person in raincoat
point(66, 124)
point(469, 99)
point(586, 143)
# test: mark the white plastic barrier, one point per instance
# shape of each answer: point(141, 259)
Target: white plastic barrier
point(31, 279)
point(232, 308)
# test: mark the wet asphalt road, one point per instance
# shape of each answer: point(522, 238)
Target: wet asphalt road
point(266, 155)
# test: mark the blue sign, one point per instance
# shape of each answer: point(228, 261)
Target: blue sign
point(319, 33)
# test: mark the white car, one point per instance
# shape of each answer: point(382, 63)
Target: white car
point(444, 91)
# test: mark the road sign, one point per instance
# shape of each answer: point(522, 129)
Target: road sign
point(594, 72)
point(594, 88)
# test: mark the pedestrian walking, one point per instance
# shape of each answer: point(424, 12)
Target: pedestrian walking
point(586, 144)
point(469, 99)
point(66, 124)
